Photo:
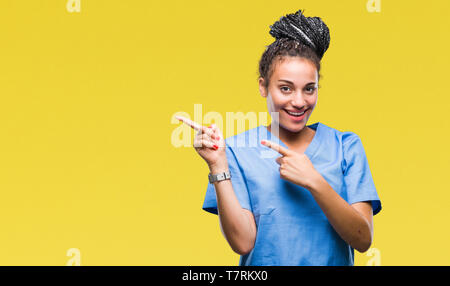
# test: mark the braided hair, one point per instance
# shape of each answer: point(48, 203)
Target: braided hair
point(295, 35)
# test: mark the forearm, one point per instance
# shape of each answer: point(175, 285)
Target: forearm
point(351, 226)
point(235, 224)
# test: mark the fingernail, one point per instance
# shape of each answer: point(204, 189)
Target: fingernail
point(263, 142)
point(215, 146)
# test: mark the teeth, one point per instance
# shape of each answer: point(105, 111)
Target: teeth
point(295, 114)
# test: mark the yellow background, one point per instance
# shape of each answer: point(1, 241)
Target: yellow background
point(86, 102)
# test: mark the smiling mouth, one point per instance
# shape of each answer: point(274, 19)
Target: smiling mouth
point(296, 113)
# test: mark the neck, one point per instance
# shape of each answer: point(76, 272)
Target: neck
point(291, 138)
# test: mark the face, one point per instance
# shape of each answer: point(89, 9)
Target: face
point(292, 89)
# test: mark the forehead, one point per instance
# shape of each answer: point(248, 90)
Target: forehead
point(295, 69)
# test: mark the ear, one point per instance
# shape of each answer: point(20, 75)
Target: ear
point(262, 89)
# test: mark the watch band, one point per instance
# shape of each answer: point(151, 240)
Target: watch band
point(219, 177)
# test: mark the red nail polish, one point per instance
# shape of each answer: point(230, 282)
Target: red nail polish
point(215, 147)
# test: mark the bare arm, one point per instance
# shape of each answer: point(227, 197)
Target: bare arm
point(237, 224)
point(352, 222)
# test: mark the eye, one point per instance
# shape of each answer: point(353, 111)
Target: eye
point(310, 89)
point(283, 88)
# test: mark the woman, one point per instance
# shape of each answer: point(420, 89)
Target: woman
point(314, 204)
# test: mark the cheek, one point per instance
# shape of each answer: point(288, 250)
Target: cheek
point(313, 102)
point(273, 103)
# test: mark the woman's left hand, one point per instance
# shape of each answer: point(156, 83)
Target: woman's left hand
point(294, 167)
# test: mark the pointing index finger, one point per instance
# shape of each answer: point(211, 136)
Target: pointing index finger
point(280, 149)
point(196, 126)
point(189, 122)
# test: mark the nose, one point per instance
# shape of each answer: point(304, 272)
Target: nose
point(298, 101)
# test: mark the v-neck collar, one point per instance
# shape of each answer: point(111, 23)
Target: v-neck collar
point(312, 147)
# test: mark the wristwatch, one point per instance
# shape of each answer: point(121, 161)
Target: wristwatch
point(219, 177)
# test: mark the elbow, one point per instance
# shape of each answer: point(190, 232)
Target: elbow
point(363, 246)
point(363, 243)
point(364, 239)
point(243, 249)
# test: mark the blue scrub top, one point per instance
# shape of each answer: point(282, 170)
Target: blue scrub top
point(291, 227)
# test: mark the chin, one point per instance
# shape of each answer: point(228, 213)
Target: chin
point(294, 127)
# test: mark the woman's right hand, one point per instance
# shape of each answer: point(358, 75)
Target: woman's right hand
point(209, 144)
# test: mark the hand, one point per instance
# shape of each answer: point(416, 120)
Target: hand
point(209, 144)
point(294, 167)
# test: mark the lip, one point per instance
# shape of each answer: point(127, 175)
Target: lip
point(296, 118)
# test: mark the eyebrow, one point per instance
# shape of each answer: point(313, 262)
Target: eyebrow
point(293, 83)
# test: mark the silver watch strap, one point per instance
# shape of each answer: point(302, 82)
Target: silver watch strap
point(219, 177)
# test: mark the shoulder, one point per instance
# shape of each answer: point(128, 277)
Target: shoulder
point(349, 138)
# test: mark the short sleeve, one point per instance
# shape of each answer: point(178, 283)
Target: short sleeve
point(237, 181)
point(357, 176)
